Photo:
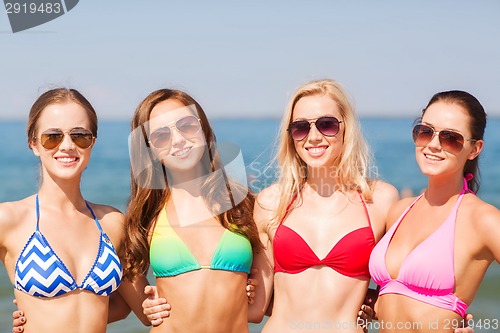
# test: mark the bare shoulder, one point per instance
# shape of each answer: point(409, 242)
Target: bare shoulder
point(397, 209)
point(265, 207)
point(105, 209)
point(384, 193)
point(111, 219)
point(384, 197)
point(269, 197)
point(105, 212)
point(13, 213)
point(483, 216)
point(483, 220)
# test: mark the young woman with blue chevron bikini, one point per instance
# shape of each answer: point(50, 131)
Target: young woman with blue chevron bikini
point(61, 251)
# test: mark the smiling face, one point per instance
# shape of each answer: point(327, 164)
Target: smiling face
point(316, 149)
point(177, 138)
point(66, 160)
point(434, 159)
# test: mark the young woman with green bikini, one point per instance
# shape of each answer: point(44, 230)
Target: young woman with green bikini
point(188, 220)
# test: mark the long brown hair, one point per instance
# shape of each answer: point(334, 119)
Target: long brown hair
point(147, 198)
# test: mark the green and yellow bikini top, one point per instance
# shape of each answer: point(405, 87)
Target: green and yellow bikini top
point(170, 256)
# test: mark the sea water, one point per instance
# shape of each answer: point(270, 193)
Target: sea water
point(107, 178)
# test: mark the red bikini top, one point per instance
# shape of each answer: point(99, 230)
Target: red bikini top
point(349, 256)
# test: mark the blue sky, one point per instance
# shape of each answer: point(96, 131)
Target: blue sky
point(245, 58)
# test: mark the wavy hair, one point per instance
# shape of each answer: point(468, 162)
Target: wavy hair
point(352, 168)
point(147, 200)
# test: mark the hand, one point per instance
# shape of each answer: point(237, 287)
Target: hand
point(251, 284)
point(154, 307)
point(366, 313)
point(365, 316)
point(466, 329)
point(18, 320)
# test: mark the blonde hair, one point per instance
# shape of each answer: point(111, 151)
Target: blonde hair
point(352, 169)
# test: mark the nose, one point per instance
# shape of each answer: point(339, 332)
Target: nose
point(67, 143)
point(435, 143)
point(314, 134)
point(177, 138)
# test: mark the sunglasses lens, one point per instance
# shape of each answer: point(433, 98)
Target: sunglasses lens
point(161, 137)
point(422, 134)
point(299, 129)
point(188, 126)
point(328, 126)
point(52, 139)
point(82, 138)
point(451, 141)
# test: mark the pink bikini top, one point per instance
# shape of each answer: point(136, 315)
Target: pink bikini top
point(427, 274)
point(349, 256)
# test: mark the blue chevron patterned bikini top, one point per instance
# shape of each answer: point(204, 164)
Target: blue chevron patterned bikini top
point(40, 272)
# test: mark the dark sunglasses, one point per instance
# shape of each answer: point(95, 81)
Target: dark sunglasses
point(328, 126)
point(449, 140)
point(53, 137)
point(188, 126)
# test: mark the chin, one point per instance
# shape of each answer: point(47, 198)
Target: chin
point(429, 172)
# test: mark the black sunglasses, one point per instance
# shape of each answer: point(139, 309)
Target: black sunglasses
point(328, 126)
point(449, 140)
point(53, 137)
point(188, 126)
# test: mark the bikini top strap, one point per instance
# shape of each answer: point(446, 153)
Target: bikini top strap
point(466, 188)
point(37, 213)
point(408, 208)
point(464, 191)
point(288, 208)
point(163, 214)
point(93, 215)
point(366, 209)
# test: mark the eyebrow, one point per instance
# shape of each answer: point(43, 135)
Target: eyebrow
point(442, 129)
point(60, 129)
point(325, 115)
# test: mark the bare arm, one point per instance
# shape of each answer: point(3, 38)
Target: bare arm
point(118, 308)
point(263, 290)
point(489, 230)
point(263, 215)
point(132, 293)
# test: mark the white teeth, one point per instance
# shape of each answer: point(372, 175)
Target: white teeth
point(66, 159)
point(182, 152)
point(316, 150)
point(434, 158)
